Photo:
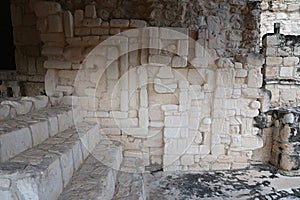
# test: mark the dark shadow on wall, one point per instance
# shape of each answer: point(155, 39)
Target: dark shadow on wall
point(7, 57)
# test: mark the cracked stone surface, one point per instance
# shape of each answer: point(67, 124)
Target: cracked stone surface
point(257, 183)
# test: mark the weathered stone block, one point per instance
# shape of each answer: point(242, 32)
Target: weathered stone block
point(90, 11)
point(55, 24)
point(93, 22)
point(119, 23)
point(290, 61)
point(68, 24)
point(15, 142)
point(46, 8)
point(134, 23)
point(179, 62)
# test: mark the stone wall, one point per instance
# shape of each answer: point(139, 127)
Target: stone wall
point(179, 98)
point(281, 69)
point(29, 60)
point(286, 12)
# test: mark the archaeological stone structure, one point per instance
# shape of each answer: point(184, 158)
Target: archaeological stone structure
point(161, 85)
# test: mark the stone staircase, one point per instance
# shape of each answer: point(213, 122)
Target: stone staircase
point(44, 155)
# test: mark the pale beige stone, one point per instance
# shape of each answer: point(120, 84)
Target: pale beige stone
point(68, 24)
point(290, 61)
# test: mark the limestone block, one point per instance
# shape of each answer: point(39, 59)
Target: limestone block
point(255, 59)
point(119, 23)
point(187, 160)
point(174, 33)
point(184, 85)
point(218, 149)
point(273, 61)
point(176, 121)
point(255, 78)
point(156, 124)
point(290, 61)
point(100, 31)
point(55, 64)
point(15, 142)
point(136, 132)
point(53, 126)
point(78, 17)
point(241, 73)
point(221, 166)
point(143, 118)
point(118, 114)
point(135, 23)
point(161, 60)
point(169, 107)
point(4, 112)
point(286, 71)
point(179, 62)
point(55, 24)
point(90, 11)
point(124, 104)
point(165, 72)
point(39, 132)
point(183, 48)
point(92, 22)
point(143, 97)
point(161, 88)
point(21, 107)
point(67, 90)
point(272, 40)
point(68, 24)
point(224, 63)
point(45, 8)
point(252, 142)
point(38, 101)
point(172, 132)
point(82, 31)
point(142, 75)
point(112, 71)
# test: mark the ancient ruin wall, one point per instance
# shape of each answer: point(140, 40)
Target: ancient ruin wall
point(28, 54)
point(187, 106)
point(285, 12)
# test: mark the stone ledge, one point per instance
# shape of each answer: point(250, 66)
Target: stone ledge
point(97, 177)
point(46, 169)
point(24, 132)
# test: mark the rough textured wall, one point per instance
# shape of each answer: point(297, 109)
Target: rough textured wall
point(286, 12)
point(29, 60)
point(281, 69)
point(187, 103)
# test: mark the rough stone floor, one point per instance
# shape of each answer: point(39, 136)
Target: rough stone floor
point(260, 182)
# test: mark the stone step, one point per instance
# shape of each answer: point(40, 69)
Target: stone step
point(12, 107)
point(97, 177)
point(44, 170)
point(130, 184)
point(26, 131)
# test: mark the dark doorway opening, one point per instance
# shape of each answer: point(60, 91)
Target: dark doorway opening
point(7, 55)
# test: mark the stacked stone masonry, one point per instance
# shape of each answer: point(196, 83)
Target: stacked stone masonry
point(281, 68)
point(285, 12)
point(177, 98)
